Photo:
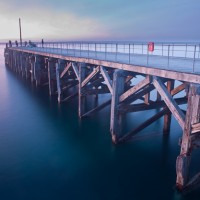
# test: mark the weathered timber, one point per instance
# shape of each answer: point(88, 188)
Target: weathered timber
point(75, 68)
point(153, 105)
point(164, 73)
point(136, 88)
point(81, 97)
point(184, 159)
point(171, 104)
point(107, 79)
point(115, 118)
point(97, 108)
point(178, 89)
point(66, 69)
point(167, 117)
point(90, 76)
point(70, 97)
point(132, 133)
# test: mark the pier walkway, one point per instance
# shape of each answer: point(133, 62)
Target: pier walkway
point(134, 76)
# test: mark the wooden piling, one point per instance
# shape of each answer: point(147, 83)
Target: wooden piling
point(51, 76)
point(115, 118)
point(190, 137)
point(81, 97)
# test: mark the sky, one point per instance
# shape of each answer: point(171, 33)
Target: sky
point(135, 20)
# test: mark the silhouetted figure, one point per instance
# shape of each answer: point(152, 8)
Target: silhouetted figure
point(16, 43)
point(42, 43)
point(6, 45)
point(25, 43)
point(10, 43)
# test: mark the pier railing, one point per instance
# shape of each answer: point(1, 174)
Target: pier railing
point(168, 55)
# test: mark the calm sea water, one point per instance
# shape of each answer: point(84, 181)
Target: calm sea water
point(46, 152)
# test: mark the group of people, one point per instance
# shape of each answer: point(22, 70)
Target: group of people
point(30, 44)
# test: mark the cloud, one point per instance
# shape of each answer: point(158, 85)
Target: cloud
point(105, 19)
point(40, 22)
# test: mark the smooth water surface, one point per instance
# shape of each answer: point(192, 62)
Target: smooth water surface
point(46, 152)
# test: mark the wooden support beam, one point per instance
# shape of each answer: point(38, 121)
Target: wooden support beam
point(136, 88)
point(147, 98)
point(75, 68)
point(66, 69)
point(70, 97)
point(115, 119)
point(171, 104)
point(107, 79)
point(178, 89)
point(96, 91)
point(81, 97)
point(148, 122)
point(90, 76)
point(196, 128)
point(167, 117)
point(32, 60)
point(192, 119)
point(37, 70)
point(96, 109)
point(139, 94)
point(158, 97)
point(153, 105)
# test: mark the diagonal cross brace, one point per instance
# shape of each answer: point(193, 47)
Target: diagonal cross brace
point(170, 102)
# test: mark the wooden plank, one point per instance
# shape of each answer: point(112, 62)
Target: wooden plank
point(66, 69)
point(139, 94)
point(153, 105)
point(96, 109)
point(171, 104)
point(70, 97)
point(106, 78)
point(136, 88)
point(178, 89)
point(148, 122)
point(90, 76)
point(196, 128)
point(75, 70)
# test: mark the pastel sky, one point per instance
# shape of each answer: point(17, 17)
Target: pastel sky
point(170, 20)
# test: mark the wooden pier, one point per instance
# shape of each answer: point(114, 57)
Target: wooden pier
point(76, 72)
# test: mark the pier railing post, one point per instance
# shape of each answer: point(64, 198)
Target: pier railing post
point(115, 118)
point(190, 137)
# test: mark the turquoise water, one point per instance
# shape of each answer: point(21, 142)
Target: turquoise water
point(46, 152)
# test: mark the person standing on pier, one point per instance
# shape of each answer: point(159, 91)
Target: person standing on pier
point(10, 43)
point(42, 43)
point(16, 43)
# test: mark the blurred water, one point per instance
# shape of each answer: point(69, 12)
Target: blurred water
point(46, 152)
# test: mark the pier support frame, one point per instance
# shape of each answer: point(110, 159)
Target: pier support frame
point(190, 140)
